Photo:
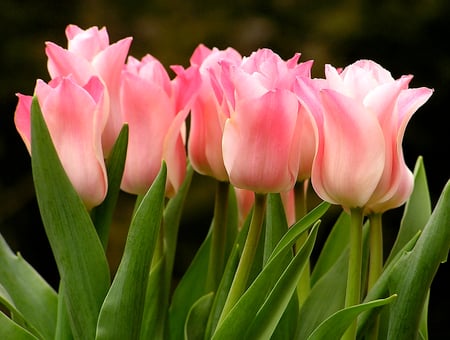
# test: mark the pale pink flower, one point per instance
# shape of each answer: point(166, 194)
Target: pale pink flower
point(88, 54)
point(362, 113)
point(75, 117)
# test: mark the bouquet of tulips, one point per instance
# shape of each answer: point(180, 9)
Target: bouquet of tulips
point(270, 135)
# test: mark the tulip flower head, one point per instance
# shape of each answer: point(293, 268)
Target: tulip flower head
point(149, 105)
point(261, 139)
point(88, 54)
point(362, 115)
point(75, 117)
point(207, 115)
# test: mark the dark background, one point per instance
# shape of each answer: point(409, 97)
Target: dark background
point(404, 36)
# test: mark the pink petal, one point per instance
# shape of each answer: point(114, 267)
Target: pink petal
point(350, 157)
point(69, 113)
point(62, 63)
point(257, 143)
point(22, 119)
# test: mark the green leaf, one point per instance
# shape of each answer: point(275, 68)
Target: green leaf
point(155, 303)
point(103, 214)
point(242, 314)
point(270, 313)
point(335, 326)
point(194, 329)
point(330, 288)
point(160, 278)
point(276, 227)
point(11, 330)
point(8, 303)
point(28, 291)
point(417, 210)
point(172, 217)
point(189, 289)
point(381, 287)
point(63, 329)
point(227, 277)
point(121, 313)
point(276, 224)
point(299, 227)
point(222, 291)
point(415, 271)
point(336, 243)
point(75, 244)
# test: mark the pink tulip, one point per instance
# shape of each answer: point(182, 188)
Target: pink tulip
point(261, 139)
point(362, 113)
point(75, 117)
point(89, 53)
point(155, 116)
point(207, 116)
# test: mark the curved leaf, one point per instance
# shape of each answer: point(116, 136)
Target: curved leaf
point(335, 326)
point(29, 293)
point(10, 330)
point(121, 314)
point(75, 244)
point(194, 329)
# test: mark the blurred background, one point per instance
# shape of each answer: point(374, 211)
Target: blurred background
point(404, 36)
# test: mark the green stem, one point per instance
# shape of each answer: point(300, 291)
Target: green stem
point(375, 260)
point(353, 292)
point(218, 237)
point(376, 249)
point(248, 254)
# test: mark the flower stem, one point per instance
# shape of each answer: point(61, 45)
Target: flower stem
point(375, 259)
point(218, 237)
point(353, 292)
point(248, 253)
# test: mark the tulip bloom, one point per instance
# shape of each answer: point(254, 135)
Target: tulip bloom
point(207, 116)
point(151, 108)
point(261, 139)
point(362, 119)
point(75, 117)
point(90, 54)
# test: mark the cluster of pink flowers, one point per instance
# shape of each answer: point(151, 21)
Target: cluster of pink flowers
point(259, 122)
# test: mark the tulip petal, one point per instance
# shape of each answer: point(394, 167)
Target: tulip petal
point(148, 111)
point(62, 62)
point(68, 111)
point(257, 142)
point(22, 119)
point(349, 163)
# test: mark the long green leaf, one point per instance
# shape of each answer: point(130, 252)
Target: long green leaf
point(222, 291)
point(270, 313)
point(330, 288)
point(242, 314)
point(189, 289)
point(11, 330)
point(155, 304)
point(75, 244)
point(416, 270)
point(336, 243)
point(299, 227)
point(276, 227)
point(172, 217)
point(194, 329)
point(335, 326)
point(417, 210)
point(103, 214)
point(227, 278)
point(29, 292)
point(121, 313)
